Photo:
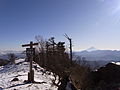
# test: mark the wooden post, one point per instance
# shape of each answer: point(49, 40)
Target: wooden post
point(30, 51)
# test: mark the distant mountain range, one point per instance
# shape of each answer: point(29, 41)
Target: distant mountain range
point(4, 54)
point(93, 54)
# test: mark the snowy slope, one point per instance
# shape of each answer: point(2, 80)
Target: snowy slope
point(20, 71)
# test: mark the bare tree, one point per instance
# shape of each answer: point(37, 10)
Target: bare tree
point(41, 49)
point(70, 41)
point(12, 57)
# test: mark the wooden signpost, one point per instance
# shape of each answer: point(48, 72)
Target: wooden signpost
point(30, 52)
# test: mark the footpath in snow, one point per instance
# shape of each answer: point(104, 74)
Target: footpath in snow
point(20, 71)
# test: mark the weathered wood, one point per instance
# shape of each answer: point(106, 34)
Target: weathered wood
point(31, 44)
point(30, 51)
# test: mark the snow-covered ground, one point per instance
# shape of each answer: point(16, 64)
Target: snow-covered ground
point(117, 63)
point(20, 70)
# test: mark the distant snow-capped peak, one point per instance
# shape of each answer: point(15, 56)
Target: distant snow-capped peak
point(91, 49)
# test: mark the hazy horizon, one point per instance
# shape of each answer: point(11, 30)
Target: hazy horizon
point(22, 49)
point(88, 22)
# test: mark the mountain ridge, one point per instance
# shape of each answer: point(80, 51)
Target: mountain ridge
point(97, 55)
point(92, 49)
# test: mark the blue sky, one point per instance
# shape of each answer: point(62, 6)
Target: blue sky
point(89, 22)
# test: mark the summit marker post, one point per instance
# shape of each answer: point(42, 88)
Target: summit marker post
point(30, 52)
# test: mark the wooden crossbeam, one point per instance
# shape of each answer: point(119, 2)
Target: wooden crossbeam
point(31, 44)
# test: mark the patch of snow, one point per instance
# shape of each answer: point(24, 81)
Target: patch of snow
point(117, 63)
